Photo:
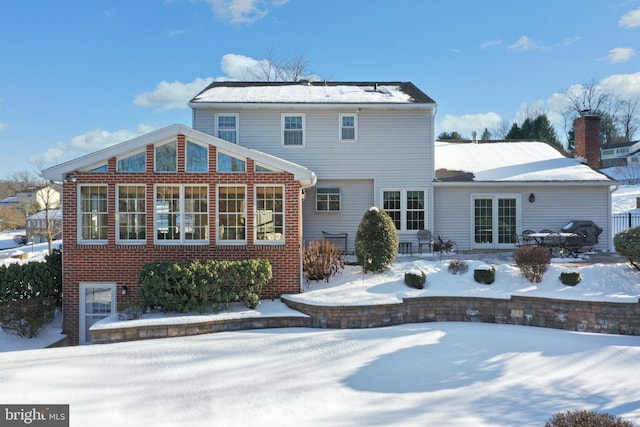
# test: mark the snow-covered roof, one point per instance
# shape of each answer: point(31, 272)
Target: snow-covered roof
point(511, 162)
point(312, 93)
point(12, 199)
point(53, 214)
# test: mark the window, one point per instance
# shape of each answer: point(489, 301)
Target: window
point(134, 163)
point(293, 130)
point(328, 199)
point(182, 213)
point(406, 208)
point(227, 127)
point(93, 213)
point(227, 163)
point(132, 218)
point(197, 157)
point(262, 169)
point(348, 127)
point(102, 168)
point(232, 214)
point(269, 213)
point(166, 157)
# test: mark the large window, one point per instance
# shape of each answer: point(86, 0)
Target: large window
point(166, 157)
point(269, 207)
point(232, 214)
point(131, 218)
point(93, 213)
point(182, 213)
point(197, 157)
point(134, 163)
point(227, 127)
point(293, 130)
point(327, 199)
point(348, 127)
point(406, 208)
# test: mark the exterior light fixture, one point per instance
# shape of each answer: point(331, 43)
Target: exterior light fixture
point(532, 198)
point(125, 290)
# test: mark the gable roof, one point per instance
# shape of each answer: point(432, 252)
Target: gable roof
point(312, 92)
point(510, 162)
point(58, 173)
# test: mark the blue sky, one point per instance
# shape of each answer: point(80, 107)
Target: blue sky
point(76, 76)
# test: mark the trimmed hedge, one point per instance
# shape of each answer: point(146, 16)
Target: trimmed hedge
point(32, 280)
point(485, 275)
point(198, 286)
point(27, 317)
point(570, 278)
point(376, 241)
point(415, 279)
point(627, 244)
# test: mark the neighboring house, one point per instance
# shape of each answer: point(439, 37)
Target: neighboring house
point(37, 225)
point(170, 195)
point(9, 203)
point(620, 154)
point(37, 198)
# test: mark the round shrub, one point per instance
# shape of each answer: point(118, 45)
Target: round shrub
point(457, 266)
point(376, 241)
point(533, 261)
point(586, 419)
point(485, 274)
point(627, 244)
point(570, 278)
point(415, 279)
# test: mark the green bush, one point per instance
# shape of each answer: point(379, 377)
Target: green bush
point(570, 278)
point(533, 261)
point(586, 419)
point(27, 316)
point(485, 274)
point(198, 286)
point(376, 241)
point(415, 279)
point(322, 260)
point(457, 266)
point(34, 279)
point(627, 244)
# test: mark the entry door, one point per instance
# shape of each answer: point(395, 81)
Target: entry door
point(495, 220)
point(97, 301)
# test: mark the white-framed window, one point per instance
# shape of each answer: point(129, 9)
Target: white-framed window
point(181, 214)
point(495, 219)
point(197, 157)
point(407, 208)
point(328, 199)
point(227, 127)
point(166, 157)
point(293, 130)
point(97, 301)
point(131, 218)
point(228, 164)
point(348, 127)
point(269, 214)
point(133, 163)
point(232, 214)
point(92, 227)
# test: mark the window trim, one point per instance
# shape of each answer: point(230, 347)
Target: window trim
point(236, 130)
point(182, 241)
point(339, 193)
point(238, 242)
point(304, 130)
point(80, 213)
point(120, 241)
point(341, 127)
point(403, 206)
point(280, 241)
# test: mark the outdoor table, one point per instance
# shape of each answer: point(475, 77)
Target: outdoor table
point(542, 239)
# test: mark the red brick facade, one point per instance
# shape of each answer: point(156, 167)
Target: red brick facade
point(121, 264)
point(587, 139)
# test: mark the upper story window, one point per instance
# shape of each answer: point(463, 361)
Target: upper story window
point(327, 199)
point(269, 222)
point(166, 157)
point(228, 163)
point(181, 213)
point(93, 214)
point(133, 163)
point(131, 216)
point(348, 127)
point(197, 158)
point(227, 127)
point(232, 214)
point(293, 130)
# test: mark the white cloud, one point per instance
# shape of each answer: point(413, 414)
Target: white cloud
point(490, 43)
point(631, 19)
point(171, 96)
point(624, 85)
point(88, 142)
point(618, 54)
point(244, 11)
point(571, 40)
point(467, 123)
point(524, 44)
point(174, 33)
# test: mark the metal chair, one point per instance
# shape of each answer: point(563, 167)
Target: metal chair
point(425, 237)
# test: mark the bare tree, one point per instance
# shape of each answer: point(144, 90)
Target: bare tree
point(629, 174)
point(274, 68)
point(501, 131)
point(629, 118)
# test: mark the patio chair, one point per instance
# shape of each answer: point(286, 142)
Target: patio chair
point(575, 244)
point(527, 239)
point(425, 237)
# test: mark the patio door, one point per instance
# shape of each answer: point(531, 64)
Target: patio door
point(495, 220)
point(97, 301)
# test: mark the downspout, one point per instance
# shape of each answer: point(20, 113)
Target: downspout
point(311, 183)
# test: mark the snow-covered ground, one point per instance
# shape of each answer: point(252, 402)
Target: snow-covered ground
point(444, 374)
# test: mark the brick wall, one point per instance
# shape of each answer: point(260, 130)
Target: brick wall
point(587, 139)
point(121, 264)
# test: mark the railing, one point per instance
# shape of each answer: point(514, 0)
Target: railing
point(620, 222)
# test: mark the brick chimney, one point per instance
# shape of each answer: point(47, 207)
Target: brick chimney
point(587, 139)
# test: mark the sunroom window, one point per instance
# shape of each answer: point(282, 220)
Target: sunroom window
point(166, 157)
point(131, 217)
point(232, 214)
point(269, 219)
point(182, 213)
point(93, 213)
point(227, 163)
point(197, 157)
point(134, 163)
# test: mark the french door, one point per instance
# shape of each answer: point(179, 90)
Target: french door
point(495, 220)
point(97, 301)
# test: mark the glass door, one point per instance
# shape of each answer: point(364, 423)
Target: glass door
point(97, 301)
point(495, 220)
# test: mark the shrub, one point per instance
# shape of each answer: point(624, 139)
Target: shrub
point(586, 419)
point(415, 279)
point(485, 274)
point(457, 266)
point(533, 261)
point(627, 244)
point(570, 278)
point(321, 260)
point(189, 286)
point(34, 279)
point(130, 312)
point(376, 241)
point(27, 316)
